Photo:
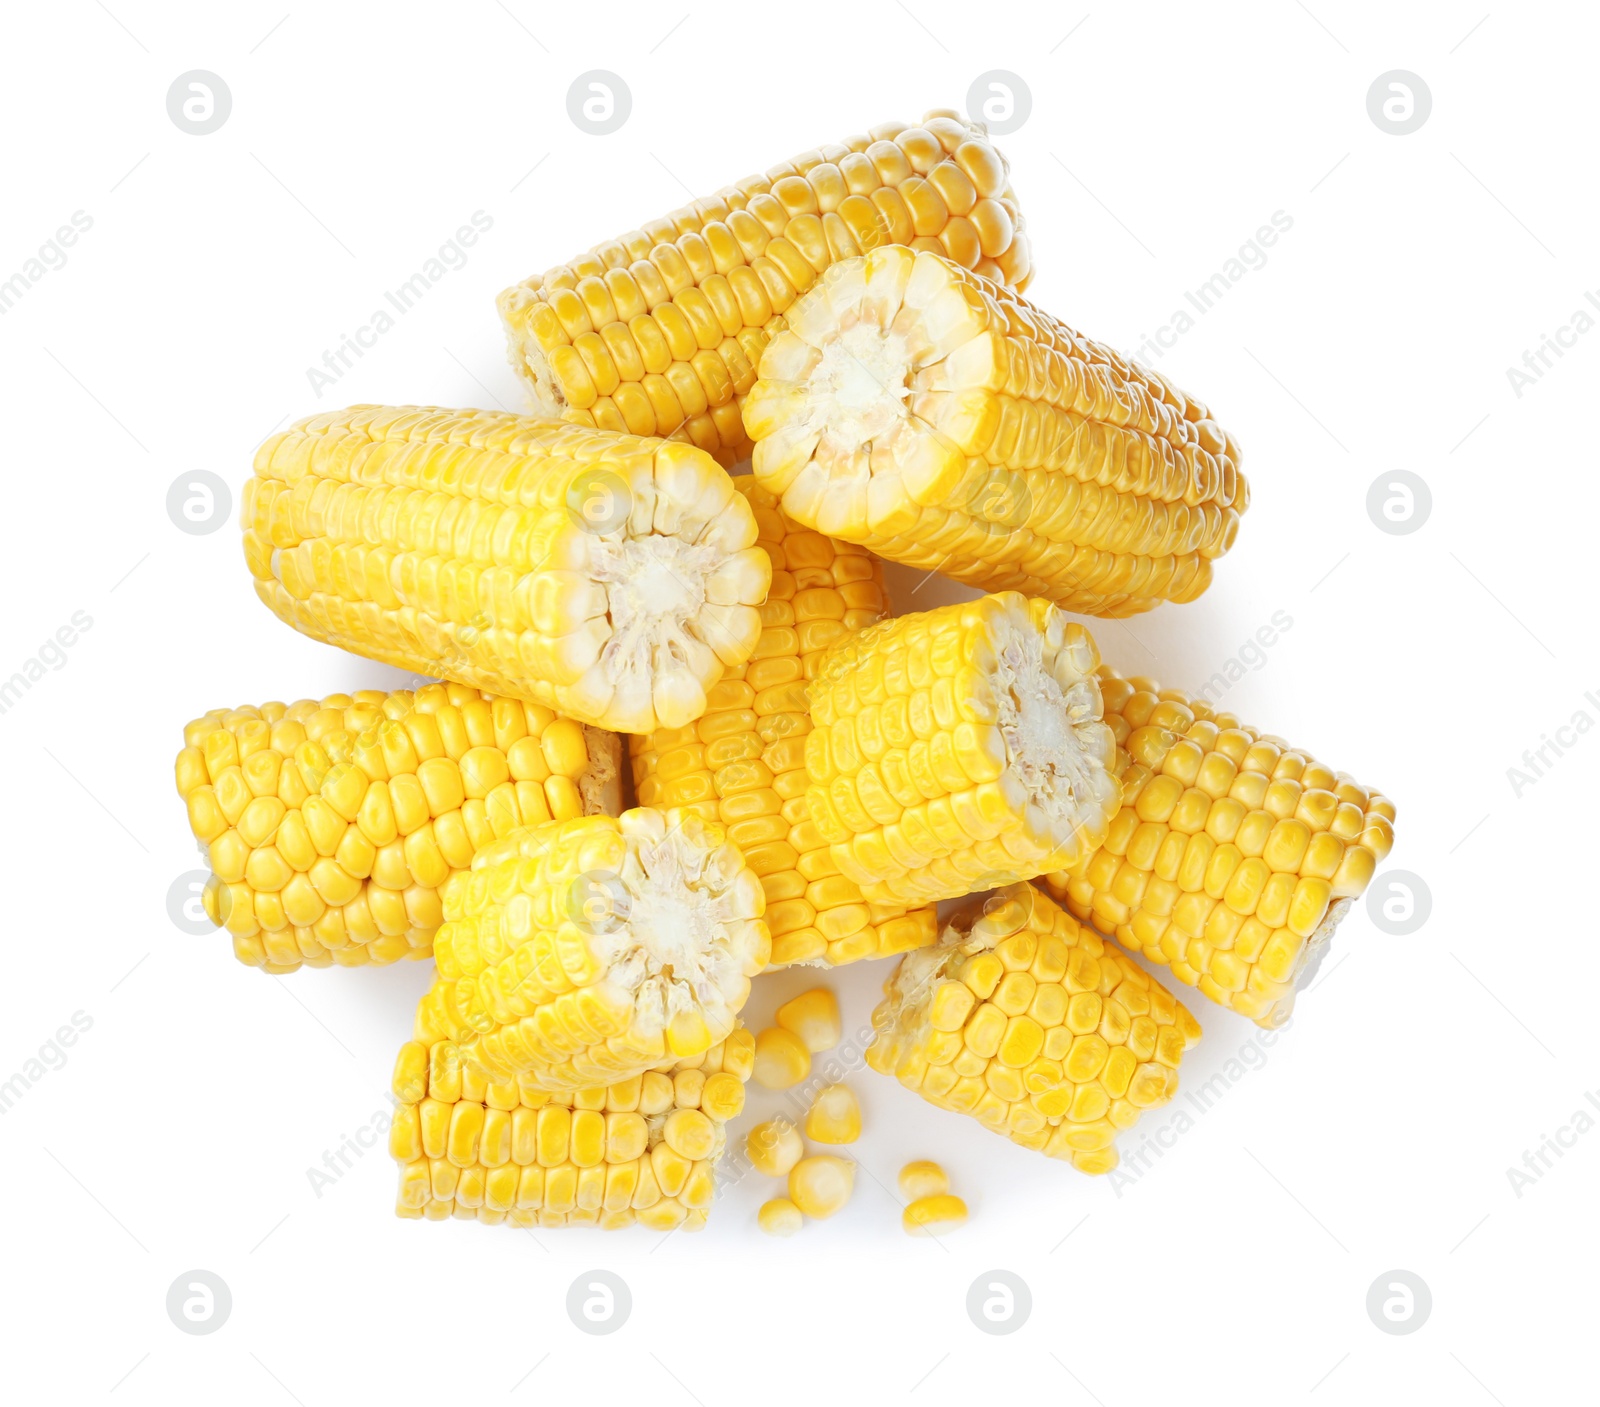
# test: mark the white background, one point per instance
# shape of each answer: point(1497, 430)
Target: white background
point(1379, 1131)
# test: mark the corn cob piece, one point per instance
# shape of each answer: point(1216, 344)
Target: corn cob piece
point(1234, 856)
point(660, 330)
point(1033, 1024)
point(959, 750)
point(584, 952)
point(642, 1150)
point(331, 827)
point(743, 762)
point(921, 410)
point(609, 578)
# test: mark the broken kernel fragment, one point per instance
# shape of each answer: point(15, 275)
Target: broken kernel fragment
point(933, 1216)
point(743, 762)
point(642, 1150)
point(814, 1017)
point(821, 1185)
point(782, 1061)
point(834, 1116)
point(942, 421)
point(583, 952)
point(774, 1147)
point(610, 578)
point(1233, 857)
point(959, 749)
point(1034, 1025)
point(923, 1179)
point(659, 330)
point(331, 826)
point(779, 1217)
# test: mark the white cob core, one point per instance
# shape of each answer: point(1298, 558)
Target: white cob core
point(860, 387)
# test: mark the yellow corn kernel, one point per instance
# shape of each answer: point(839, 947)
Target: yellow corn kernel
point(820, 1185)
point(834, 1116)
point(1064, 1093)
point(552, 965)
point(1278, 847)
point(516, 1154)
point(922, 1178)
point(814, 1017)
point(329, 844)
point(959, 749)
point(934, 1215)
point(779, 1217)
point(743, 762)
point(774, 1147)
point(782, 1060)
point(979, 437)
point(610, 578)
point(659, 330)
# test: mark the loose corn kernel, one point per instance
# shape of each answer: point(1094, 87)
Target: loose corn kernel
point(327, 841)
point(774, 1147)
point(834, 1116)
point(1255, 851)
point(782, 1060)
point(933, 1216)
point(584, 952)
point(607, 577)
point(820, 1185)
point(814, 1017)
point(921, 1179)
point(659, 330)
point(517, 1154)
point(743, 763)
point(959, 749)
point(779, 1217)
point(1032, 1076)
point(924, 412)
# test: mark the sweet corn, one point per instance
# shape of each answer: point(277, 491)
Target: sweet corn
point(834, 1116)
point(774, 1147)
point(331, 826)
point(1234, 856)
point(744, 762)
point(660, 330)
point(1032, 1024)
point(585, 952)
point(782, 1060)
point(779, 1217)
point(814, 1017)
point(820, 1186)
point(639, 1150)
point(922, 1179)
point(943, 421)
point(959, 749)
point(933, 1216)
point(610, 578)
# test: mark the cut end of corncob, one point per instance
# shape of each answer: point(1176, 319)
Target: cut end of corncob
point(919, 409)
point(1031, 1023)
point(960, 749)
point(588, 951)
point(1233, 857)
point(659, 331)
point(330, 826)
point(611, 578)
point(638, 1151)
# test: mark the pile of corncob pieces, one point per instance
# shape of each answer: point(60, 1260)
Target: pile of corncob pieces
point(807, 776)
